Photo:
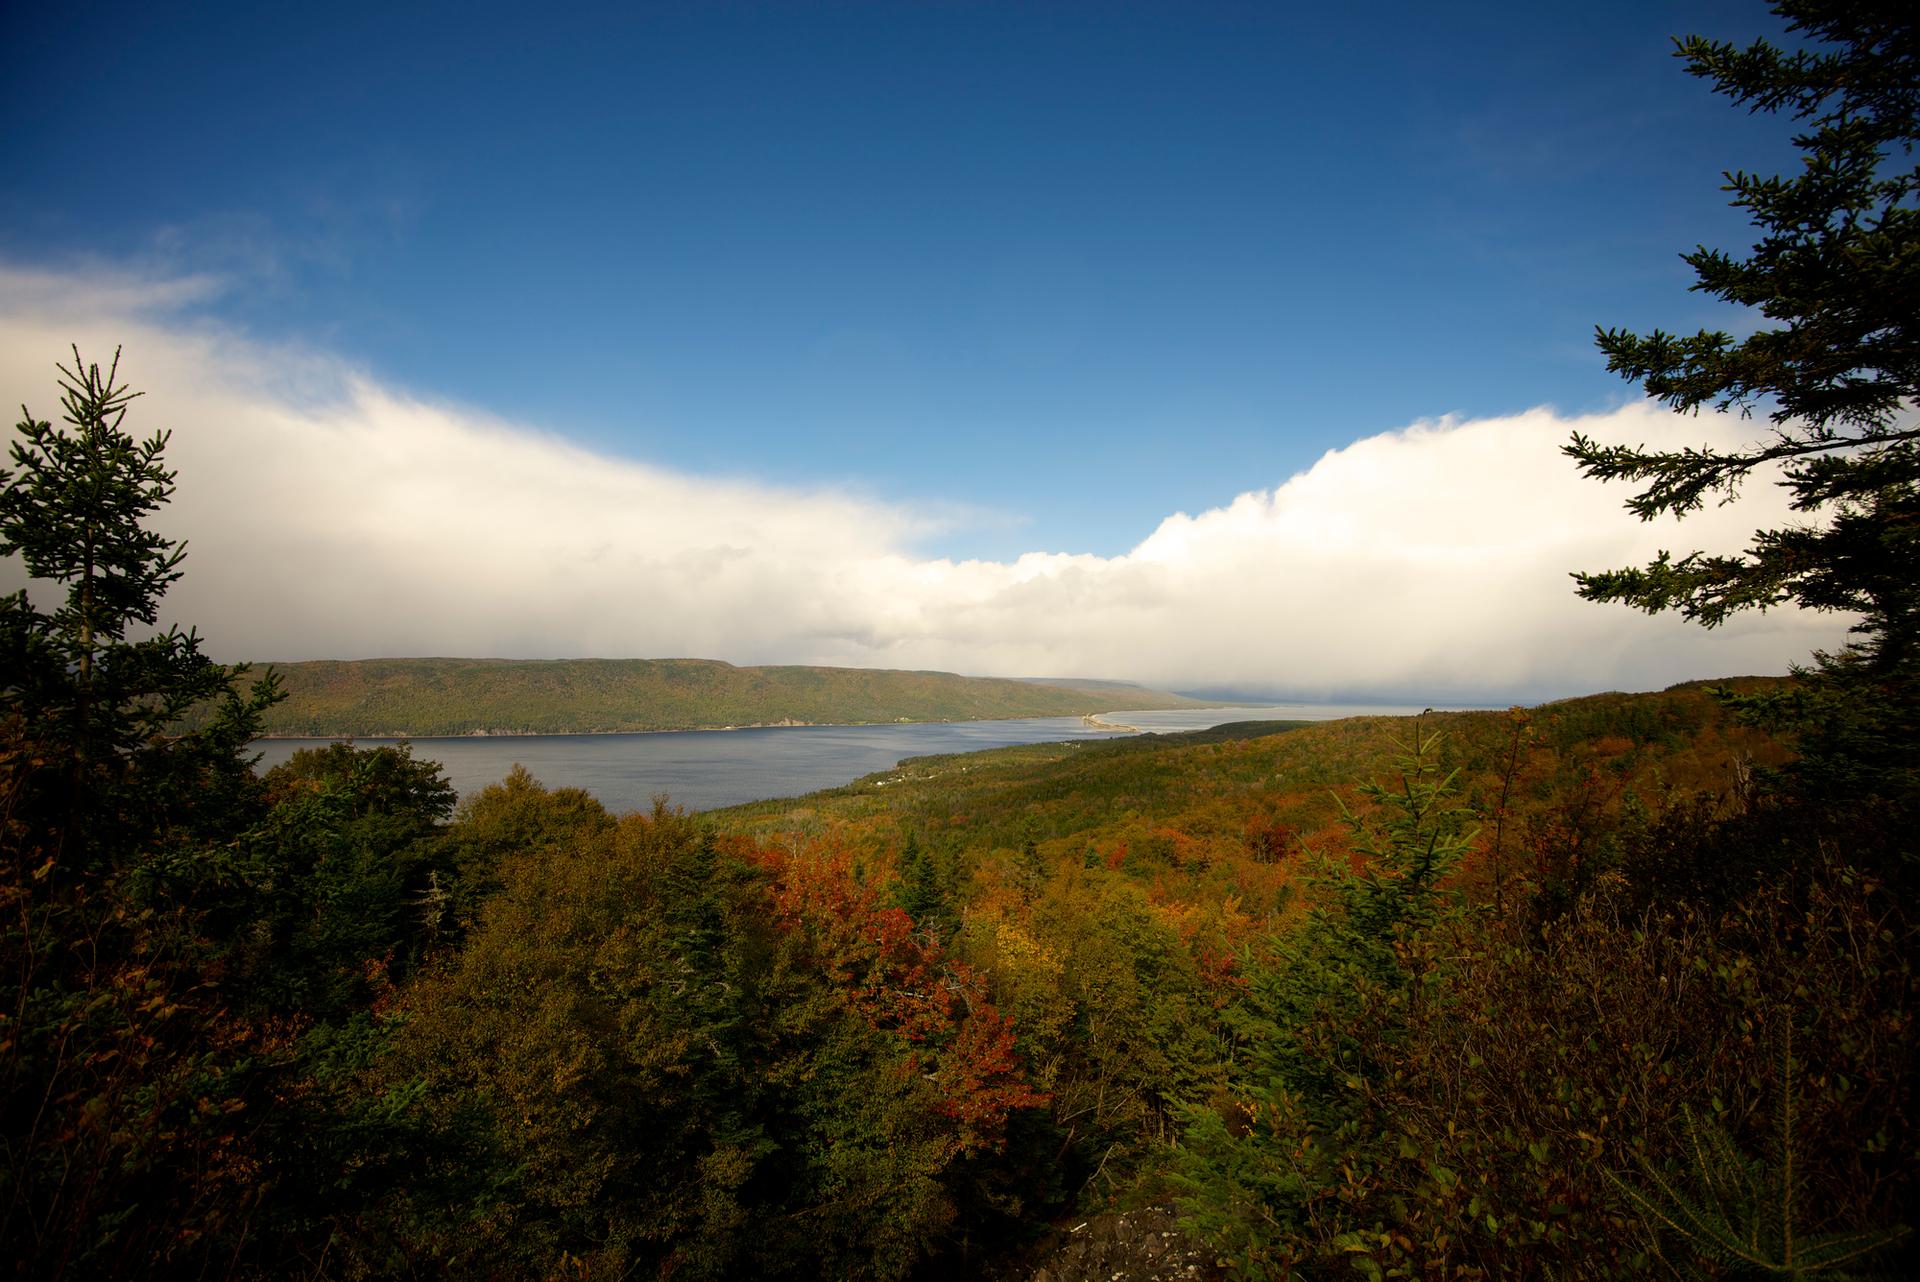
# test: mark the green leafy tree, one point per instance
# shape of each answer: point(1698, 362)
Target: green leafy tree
point(1833, 367)
point(361, 875)
point(515, 816)
point(664, 1057)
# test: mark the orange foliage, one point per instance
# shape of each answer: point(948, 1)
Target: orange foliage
point(902, 982)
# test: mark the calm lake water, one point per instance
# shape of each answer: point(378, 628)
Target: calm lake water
point(704, 769)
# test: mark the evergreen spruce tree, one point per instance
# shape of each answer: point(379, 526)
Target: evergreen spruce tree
point(1833, 367)
point(91, 694)
point(123, 1125)
point(920, 893)
point(1742, 1217)
point(1260, 1175)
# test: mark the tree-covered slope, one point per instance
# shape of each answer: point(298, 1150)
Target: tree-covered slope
point(1226, 781)
point(1455, 976)
point(584, 696)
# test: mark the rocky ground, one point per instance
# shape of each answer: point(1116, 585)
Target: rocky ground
point(1126, 1246)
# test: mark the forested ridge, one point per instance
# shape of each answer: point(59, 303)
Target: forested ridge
point(420, 697)
point(1614, 987)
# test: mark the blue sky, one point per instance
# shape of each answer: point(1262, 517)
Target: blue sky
point(1039, 275)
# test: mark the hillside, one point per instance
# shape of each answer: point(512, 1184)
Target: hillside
point(418, 697)
point(1230, 971)
point(1208, 791)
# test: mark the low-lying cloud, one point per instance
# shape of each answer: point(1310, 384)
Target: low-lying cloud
point(330, 516)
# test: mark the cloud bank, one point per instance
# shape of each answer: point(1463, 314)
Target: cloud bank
point(330, 516)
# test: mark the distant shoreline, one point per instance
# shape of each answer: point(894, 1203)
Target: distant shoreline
point(1093, 721)
point(486, 698)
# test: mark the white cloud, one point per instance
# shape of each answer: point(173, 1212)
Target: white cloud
point(332, 517)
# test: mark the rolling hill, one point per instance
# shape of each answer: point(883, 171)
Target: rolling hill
point(419, 697)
